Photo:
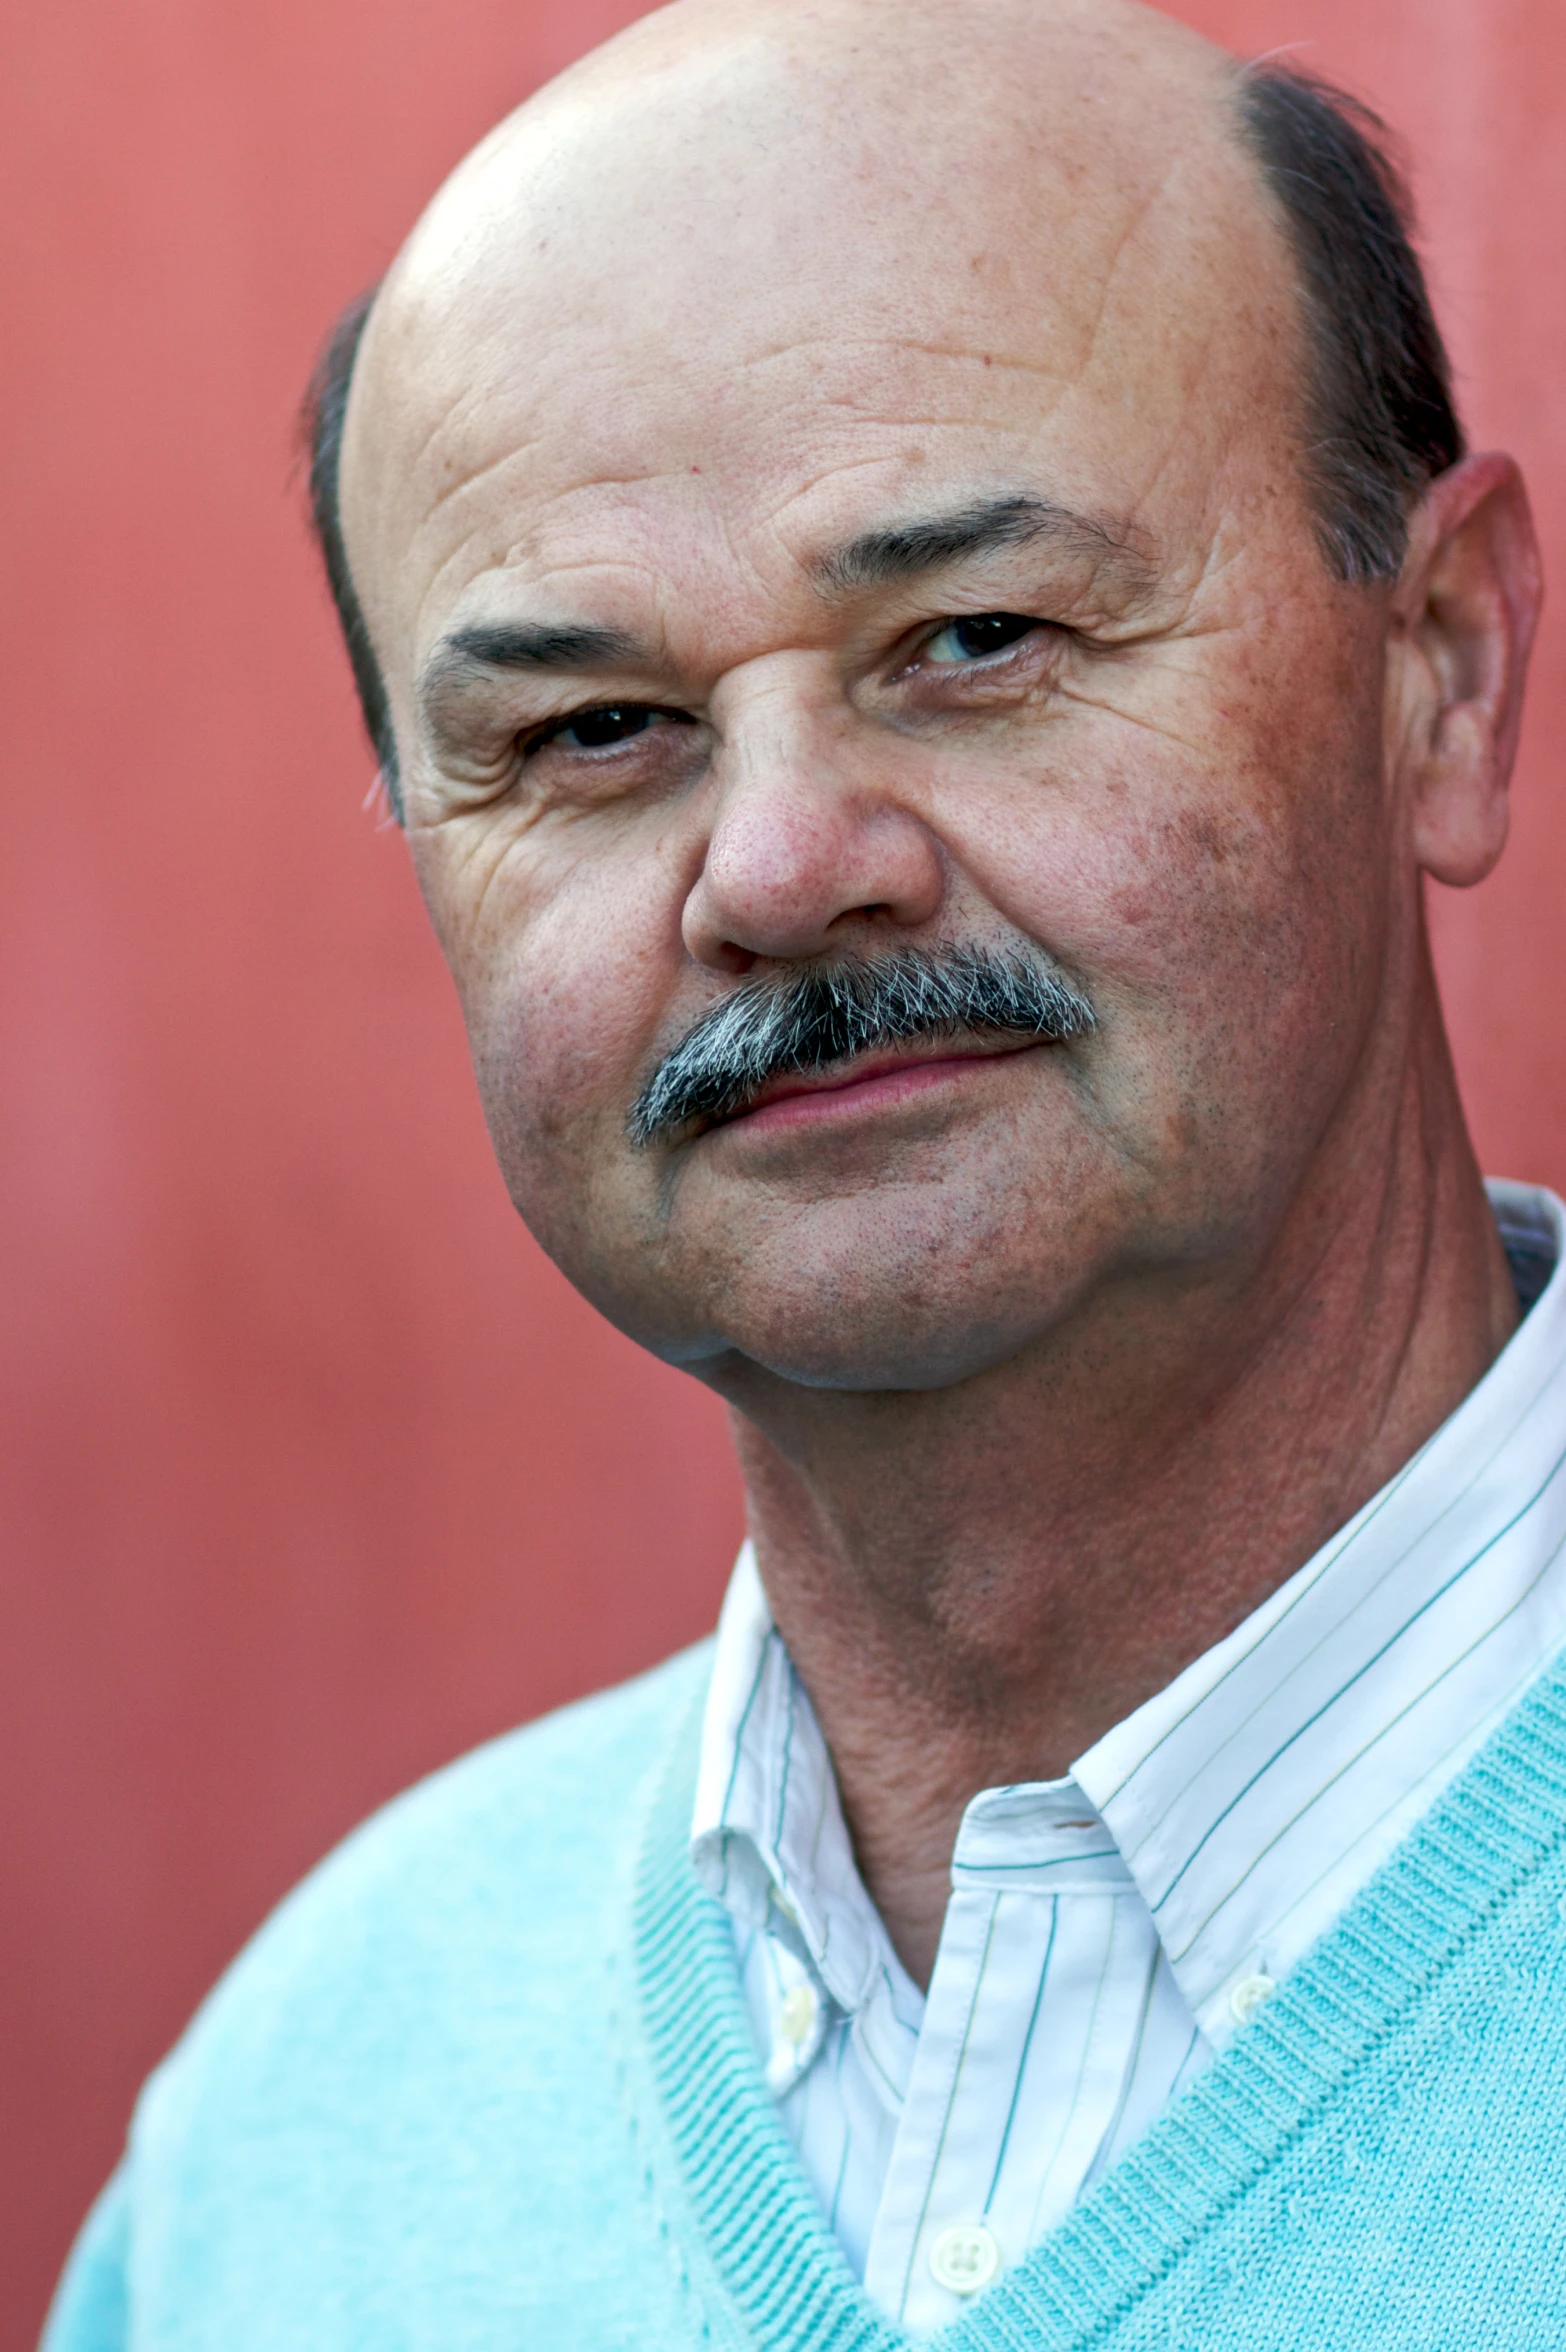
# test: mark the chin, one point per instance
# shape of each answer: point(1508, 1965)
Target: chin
point(915, 1285)
point(860, 1337)
point(860, 1371)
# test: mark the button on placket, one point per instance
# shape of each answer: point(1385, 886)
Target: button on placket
point(1250, 1994)
point(964, 2258)
point(799, 2022)
point(797, 2014)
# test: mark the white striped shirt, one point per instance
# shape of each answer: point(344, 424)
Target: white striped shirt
point(1108, 1932)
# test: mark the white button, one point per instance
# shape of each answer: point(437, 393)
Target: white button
point(1248, 1996)
point(797, 2014)
point(965, 2258)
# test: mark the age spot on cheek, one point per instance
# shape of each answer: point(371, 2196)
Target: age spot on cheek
point(1209, 841)
point(1181, 862)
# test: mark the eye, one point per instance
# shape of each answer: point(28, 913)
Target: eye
point(974, 636)
point(607, 723)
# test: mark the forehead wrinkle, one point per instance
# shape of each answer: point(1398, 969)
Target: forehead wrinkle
point(848, 372)
point(465, 485)
point(1170, 456)
point(550, 498)
point(519, 555)
point(847, 388)
point(447, 412)
point(853, 404)
point(1115, 259)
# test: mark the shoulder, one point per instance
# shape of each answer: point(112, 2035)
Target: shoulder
point(547, 1799)
point(467, 1916)
point(400, 2116)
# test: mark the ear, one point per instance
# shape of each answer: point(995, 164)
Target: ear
point(1463, 617)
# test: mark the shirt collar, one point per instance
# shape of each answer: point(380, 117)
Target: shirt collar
point(1302, 1746)
point(767, 1835)
point(1305, 1745)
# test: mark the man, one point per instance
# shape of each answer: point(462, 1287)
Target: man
point(923, 607)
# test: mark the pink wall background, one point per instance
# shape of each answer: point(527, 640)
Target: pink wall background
point(313, 1472)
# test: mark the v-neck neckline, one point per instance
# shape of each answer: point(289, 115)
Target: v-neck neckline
point(765, 2232)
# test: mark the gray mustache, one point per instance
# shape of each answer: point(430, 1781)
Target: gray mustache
point(774, 1029)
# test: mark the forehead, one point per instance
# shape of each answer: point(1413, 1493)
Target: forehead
point(768, 308)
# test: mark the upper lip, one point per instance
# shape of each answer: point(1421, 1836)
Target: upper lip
point(879, 1064)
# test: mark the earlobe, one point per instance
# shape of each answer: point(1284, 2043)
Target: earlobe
point(1467, 604)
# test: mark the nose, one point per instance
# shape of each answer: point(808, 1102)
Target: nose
point(812, 842)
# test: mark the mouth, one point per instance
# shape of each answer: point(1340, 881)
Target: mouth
point(871, 1081)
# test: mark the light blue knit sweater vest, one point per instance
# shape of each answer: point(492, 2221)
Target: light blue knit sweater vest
point(485, 2084)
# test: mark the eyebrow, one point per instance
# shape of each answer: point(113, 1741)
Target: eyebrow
point(877, 559)
point(545, 645)
point(902, 551)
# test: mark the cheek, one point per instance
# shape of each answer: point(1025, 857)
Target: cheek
point(1153, 887)
point(1244, 846)
point(1225, 902)
point(561, 970)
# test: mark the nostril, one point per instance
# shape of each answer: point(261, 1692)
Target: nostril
point(728, 957)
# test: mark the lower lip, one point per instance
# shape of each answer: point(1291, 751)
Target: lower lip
point(862, 1094)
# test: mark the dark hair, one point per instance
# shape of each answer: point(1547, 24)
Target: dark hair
point(1379, 418)
point(1380, 422)
point(325, 409)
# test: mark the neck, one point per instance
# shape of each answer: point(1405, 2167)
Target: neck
point(975, 1583)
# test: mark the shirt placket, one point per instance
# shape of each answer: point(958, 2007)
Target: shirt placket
point(1028, 2026)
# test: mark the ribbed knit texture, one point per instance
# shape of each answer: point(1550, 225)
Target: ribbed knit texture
point(1354, 2171)
point(485, 2084)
